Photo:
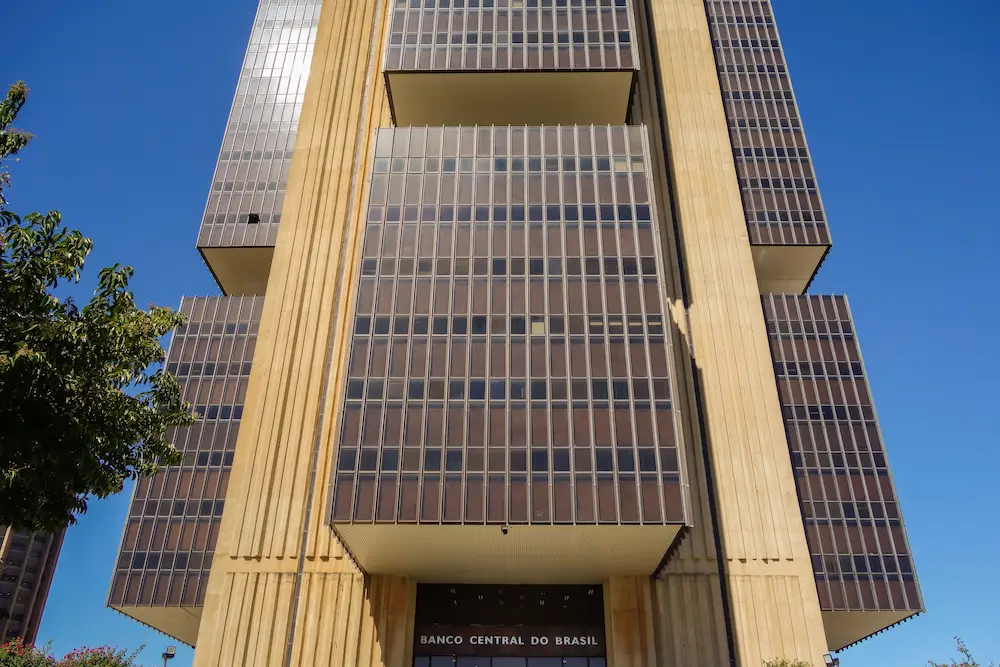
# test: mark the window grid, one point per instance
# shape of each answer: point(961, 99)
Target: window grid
point(504, 35)
point(854, 528)
point(169, 541)
point(466, 188)
point(248, 188)
point(782, 203)
point(29, 563)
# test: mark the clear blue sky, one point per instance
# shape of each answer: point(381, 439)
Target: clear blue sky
point(901, 105)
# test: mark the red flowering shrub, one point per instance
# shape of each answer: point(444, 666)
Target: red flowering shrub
point(104, 656)
point(18, 654)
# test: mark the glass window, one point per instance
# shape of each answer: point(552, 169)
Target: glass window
point(515, 308)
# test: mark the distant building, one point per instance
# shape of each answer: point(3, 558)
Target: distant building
point(29, 563)
point(516, 364)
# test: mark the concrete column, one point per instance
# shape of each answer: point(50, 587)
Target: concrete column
point(628, 622)
point(282, 591)
point(749, 517)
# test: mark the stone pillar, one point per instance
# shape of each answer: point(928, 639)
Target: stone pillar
point(734, 429)
point(628, 622)
point(282, 590)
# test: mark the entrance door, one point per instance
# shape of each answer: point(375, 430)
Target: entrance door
point(505, 661)
point(509, 626)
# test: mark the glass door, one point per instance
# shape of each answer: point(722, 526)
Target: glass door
point(505, 661)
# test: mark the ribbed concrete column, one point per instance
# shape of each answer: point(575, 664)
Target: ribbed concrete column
point(773, 608)
point(628, 621)
point(282, 590)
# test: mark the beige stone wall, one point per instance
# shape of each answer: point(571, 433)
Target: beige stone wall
point(342, 619)
point(774, 608)
point(277, 565)
point(629, 622)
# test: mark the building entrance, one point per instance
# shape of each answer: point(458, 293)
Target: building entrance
point(509, 626)
point(483, 661)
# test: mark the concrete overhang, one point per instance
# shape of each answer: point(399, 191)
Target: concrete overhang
point(181, 623)
point(524, 554)
point(510, 98)
point(844, 628)
point(787, 269)
point(239, 270)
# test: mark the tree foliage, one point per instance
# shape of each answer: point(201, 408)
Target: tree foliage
point(84, 401)
point(18, 654)
point(965, 660)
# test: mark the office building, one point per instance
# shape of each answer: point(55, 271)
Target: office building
point(27, 565)
point(517, 364)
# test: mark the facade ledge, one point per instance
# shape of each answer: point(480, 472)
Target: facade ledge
point(516, 554)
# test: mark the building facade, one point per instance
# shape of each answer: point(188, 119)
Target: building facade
point(27, 565)
point(516, 365)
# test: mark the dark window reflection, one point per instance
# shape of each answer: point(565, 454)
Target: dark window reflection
point(527, 343)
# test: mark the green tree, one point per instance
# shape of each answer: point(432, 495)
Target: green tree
point(785, 662)
point(84, 401)
point(965, 656)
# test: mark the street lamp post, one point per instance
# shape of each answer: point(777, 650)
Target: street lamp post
point(169, 654)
